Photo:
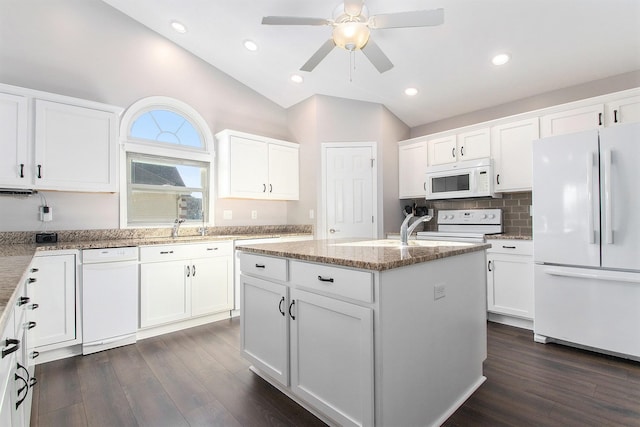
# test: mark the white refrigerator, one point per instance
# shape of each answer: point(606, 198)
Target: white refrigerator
point(586, 237)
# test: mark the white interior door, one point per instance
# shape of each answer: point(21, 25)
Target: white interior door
point(349, 191)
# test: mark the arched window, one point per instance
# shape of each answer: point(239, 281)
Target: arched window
point(167, 164)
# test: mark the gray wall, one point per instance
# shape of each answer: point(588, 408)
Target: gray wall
point(548, 99)
point(86, 49)
point(323, 119)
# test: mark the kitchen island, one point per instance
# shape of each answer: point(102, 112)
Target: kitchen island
point(367, 332)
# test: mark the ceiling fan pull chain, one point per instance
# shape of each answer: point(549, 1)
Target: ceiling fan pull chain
point(350, 66)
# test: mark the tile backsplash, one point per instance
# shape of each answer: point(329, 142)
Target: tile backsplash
point(516, 208)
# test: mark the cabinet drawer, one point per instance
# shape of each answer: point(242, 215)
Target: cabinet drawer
point(354, 284)
point(211, 249)
point(163, 253)
point(263, 266)
point(515, 247)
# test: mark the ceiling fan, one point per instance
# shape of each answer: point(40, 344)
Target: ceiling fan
point(352, 27)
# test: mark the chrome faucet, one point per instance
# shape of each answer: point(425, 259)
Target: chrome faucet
point(176, 227)
point(406, 229)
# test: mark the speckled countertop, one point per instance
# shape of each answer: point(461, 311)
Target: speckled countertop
point(16, 251)
point(363, 254)
point(508, 237)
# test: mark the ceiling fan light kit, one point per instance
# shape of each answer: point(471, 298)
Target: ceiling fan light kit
point(352, 30)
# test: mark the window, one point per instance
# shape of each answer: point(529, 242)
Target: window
point(167, 164)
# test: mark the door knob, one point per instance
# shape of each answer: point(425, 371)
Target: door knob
point(333, 230)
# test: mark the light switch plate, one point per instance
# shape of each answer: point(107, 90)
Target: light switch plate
point(227, 214)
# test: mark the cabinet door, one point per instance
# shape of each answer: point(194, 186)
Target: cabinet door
point(625, 110)
point(475, 144)
point(264, 326)
point(412, 164)
point(14, 165)
point(55, 294)
point(164, 293)
point(211, 285)
point(248, 168)
point(510, 285)
point(75, 148)
point(283, 172)
point(332, 357)
point(511, 153)
point(442, 150)
point(570, 121)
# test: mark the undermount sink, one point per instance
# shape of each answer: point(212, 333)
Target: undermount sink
point(390, 243)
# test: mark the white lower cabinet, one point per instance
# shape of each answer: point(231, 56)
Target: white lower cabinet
point(55, 292)
point(510, 281)
point(332, 371)
point(178, 282)
point(317, 346)
point(16, 363)
point(265, 326)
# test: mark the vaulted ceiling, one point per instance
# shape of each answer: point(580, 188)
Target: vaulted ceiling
point(552, 44)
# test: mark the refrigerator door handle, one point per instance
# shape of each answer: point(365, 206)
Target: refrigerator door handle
point(600, 275)
point(608, 230)
point(590, 228)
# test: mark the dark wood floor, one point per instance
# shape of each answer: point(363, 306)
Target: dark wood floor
point(197, 377)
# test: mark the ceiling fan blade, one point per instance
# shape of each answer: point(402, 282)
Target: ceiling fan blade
point(318, 56)
point(294, 20)
point(417, 18)
point(353, 7)
point(377, 57)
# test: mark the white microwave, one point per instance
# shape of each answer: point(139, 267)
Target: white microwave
point(469, 178)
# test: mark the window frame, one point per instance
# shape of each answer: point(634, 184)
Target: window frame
point(160, 149)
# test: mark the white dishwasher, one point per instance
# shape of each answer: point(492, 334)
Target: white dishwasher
point(109, 298)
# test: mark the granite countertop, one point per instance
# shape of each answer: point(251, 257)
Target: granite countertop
point(508, 237)
point(16, 257)
point(364, 254)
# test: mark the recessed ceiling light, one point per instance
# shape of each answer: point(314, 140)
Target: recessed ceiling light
point(178, 26)
point(250, 45)
point(296, 78)
point(501, 59)
point(411, 91)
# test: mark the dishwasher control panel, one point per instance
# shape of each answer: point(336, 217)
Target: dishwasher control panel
point(90, 256)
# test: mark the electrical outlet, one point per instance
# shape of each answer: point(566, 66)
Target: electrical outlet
point(46, 213)
point(227, 214)
point(438, 291)
point(254, 214)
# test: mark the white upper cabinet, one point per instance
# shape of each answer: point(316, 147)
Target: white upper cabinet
point(412, 160)
point(53, 142)
point(468, 145)
point(14, 162)
point(283, 172)
point(574, 120)
point(442, 150)
point(75, 147)
point(511, 153)
point(474, 144)
point(255, 167)
point(626, 110)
